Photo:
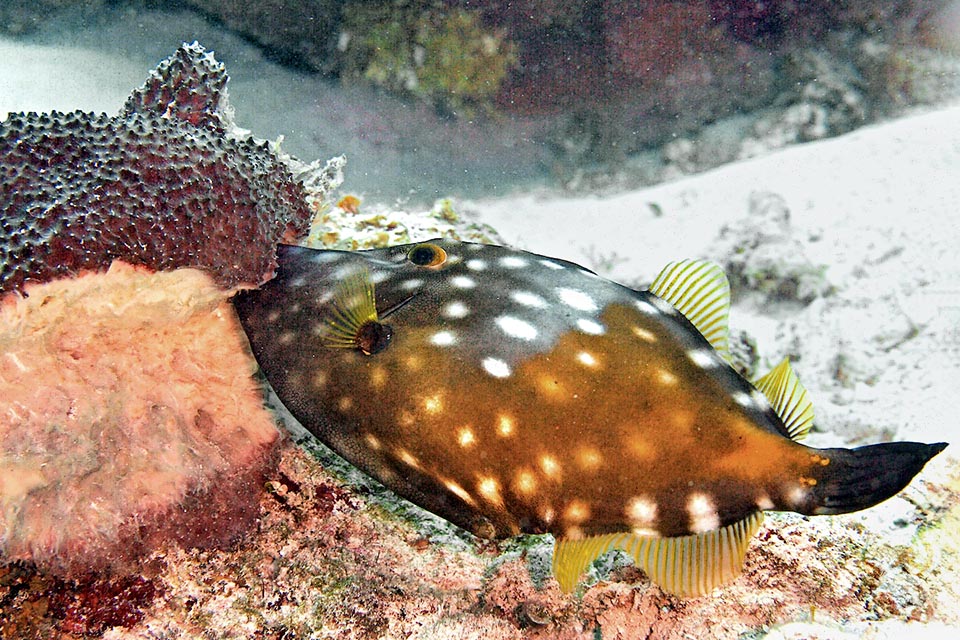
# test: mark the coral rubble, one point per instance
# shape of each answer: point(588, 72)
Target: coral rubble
point(168, 182)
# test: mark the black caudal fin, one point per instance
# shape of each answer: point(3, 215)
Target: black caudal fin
point(855, 479)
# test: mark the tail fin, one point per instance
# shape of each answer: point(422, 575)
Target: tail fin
point(858, 478)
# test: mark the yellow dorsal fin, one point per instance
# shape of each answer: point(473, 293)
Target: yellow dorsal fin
point(788, 398)
point(686, 565)
point(354, 304)
point(699, 290)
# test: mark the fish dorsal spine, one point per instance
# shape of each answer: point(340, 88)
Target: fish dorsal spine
point(700, 291)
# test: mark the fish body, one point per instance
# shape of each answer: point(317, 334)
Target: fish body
point(511, 393)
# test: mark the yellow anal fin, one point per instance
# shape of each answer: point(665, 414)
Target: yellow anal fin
point(699, 290)
point(789, 399)
point(354, 304)
point(686, 565)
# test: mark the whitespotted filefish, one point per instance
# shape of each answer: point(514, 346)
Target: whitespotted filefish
point(510, 393)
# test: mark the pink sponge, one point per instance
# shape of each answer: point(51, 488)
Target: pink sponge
point(169, 182)
point(128, 415)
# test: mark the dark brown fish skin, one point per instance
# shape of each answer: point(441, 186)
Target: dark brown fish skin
point(610, 425)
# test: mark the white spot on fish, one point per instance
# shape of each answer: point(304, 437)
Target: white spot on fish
point(797, 497)
point(408, 458)
point(378, 377)
point(373, 442)
point(463, 282)
point(495, 367)
point(525, 481)
point(458, 491)
point(412, 283)
point(586, 359)
point(743, 399)
point(273, 316)
point(345, 271)
point(764, 502)
point(703, 358)
point(549, 466)
point(465, 437)
point(505, 425)
point(760, 399)
point(576, 299)
point(320, 379)
point(576, 512)
point(666, 378)
point(662, 306)
point(456, 309)
point(489, 488)
point(443, 339)
point(321, 257)
point(550, 264)
point(287, 337)
point(645, 307)
point(513, 262)
point(644, 334)
point(641, 512)
point(516, 328)
point(433, 404)
point(528, 299)
point(590, 326)
point(476, 264)
point(588, 458)
point(298, 282)
point(703, 513)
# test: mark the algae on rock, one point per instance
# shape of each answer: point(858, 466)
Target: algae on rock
point(445, 57)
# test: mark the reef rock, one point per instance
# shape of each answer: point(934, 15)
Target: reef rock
point(169, 182)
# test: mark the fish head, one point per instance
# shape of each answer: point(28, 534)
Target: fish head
point(477, 302)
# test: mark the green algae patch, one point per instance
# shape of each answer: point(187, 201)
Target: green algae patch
point(446, 58)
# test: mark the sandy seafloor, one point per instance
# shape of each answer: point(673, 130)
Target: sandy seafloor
point(845, 255)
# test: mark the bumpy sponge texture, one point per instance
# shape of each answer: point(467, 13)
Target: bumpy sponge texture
point(128, 417)
point(167, 183)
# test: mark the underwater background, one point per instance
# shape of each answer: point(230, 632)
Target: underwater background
point(811, 149)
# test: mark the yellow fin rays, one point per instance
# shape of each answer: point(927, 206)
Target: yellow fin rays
point(687, 565)
point(699, 290)
point(354, 305)
point(788, 397)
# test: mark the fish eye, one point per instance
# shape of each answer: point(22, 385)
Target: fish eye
point(427, 255)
